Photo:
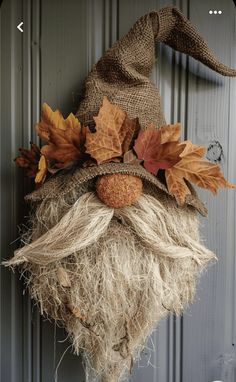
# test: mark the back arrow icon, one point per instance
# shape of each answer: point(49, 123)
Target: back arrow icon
point(19, 26)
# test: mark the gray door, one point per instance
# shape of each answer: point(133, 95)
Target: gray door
point(48, 62)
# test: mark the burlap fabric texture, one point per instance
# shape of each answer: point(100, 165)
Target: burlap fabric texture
point(122, 75)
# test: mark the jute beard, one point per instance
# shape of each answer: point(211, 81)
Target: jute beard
point(126, 268)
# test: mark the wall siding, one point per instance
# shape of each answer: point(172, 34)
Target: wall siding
point(49, 62)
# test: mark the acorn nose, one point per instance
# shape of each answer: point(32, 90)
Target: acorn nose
point(119, 190)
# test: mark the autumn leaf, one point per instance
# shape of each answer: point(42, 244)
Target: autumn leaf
point(29, 160)
point(50, 118)
point(131, 128)
point(176, 185)
point(65, 137)
point(42, 170)
point(114, 135)
point(170, 133)
point(158, 148)
point(130, 157)
point(189, 148)
point(194, 169)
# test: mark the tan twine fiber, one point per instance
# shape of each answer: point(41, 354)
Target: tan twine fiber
point(126, 267)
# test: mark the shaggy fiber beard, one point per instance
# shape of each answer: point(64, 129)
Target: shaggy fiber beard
point(127, 268)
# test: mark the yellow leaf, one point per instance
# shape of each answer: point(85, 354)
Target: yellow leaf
point(50, 118)
point(42, 167)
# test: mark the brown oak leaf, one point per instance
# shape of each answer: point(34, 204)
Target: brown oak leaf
point(194, 169)
point(158, 148)
point(29, 160)
point(65, 137)
point(114, 134)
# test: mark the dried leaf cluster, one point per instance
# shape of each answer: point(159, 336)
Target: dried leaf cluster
point(29, 160)
point(118, 138)
point(161, 149)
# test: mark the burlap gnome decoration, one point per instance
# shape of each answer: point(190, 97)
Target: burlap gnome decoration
point(113, 244)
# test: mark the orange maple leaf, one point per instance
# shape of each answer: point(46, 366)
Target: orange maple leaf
point(158, 148)
point(65, 137)
point(194, 169)
point(114, 135)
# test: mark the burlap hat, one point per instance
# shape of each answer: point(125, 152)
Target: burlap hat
point(122, 74)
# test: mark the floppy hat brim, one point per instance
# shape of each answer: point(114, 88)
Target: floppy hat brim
point(64, 183)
